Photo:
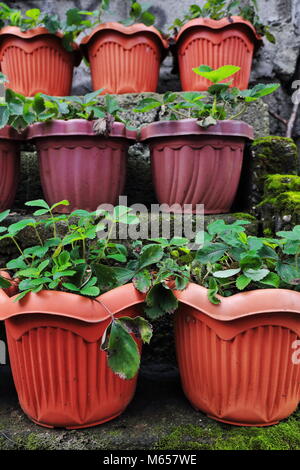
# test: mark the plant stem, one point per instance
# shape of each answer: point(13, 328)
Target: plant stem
point(239, 113)
point(17, 245)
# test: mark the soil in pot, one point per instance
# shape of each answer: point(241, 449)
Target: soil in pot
point(236, 359)
point(124, 59)
point(36, 61)
point(215, 43)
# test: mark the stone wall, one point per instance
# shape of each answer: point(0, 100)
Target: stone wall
point(279, 62)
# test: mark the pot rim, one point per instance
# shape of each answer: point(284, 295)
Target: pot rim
point(9, 133)
point(187, 127)
point(220, 24)
point(243, 304)
point(127, 31)
point(74, 127)
point(39, 31)
point(61, 304)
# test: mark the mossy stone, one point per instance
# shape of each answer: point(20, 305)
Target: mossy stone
point(271, 155)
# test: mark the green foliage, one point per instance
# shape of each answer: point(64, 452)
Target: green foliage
point(218, 9)
point(19, 111)
point(76, 21)
point(219, 104)
point(83, 261)
point(139, 13)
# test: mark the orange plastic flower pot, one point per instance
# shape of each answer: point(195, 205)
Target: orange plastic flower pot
point(60, 373)
point(192, 165)
point(9, 166)
point(36, 61)
point(238, 360)
point(124, 59)
point(203, 41)
point(80, 166)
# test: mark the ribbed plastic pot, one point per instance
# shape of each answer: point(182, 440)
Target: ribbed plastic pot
point(124, 59)
point(9, 166)
point(60, 373)
point(80, 166)
point(238, 360)
point(192, 165)
point(36, 61)
point(203, 41)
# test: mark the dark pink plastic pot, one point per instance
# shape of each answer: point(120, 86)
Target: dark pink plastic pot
point(80, 166)
point(9, 166)
point(193, 165)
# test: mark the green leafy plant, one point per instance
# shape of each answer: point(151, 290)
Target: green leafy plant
point(76, 21)
point(218, 104)
point(81, 259)
point(218, 9)
point(139, 13)
point(19, 111)
point(229, 261)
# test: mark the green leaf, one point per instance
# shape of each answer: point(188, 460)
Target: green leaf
point(38, 104)
point(147, 18)
point(217, 75)
point(250, 261)
point(226, 273)
point(14, 229)
point(90, 291)
point(4, 115)
point(4, 215)
point(211, 253)
point(123, 352)
point(256, 274)
point(242, 282)
point(70, 286)
point(60, 203)
point(4, 283)
point(149, 255)
point(161, 299)
point(23, 294)
point(122, 275)
point(89, 97)
point(112, 104)
point(138, 326)
point(272, 279)
point(287, 272)
point(142, 281)
point(258, 91)
point(37, 203)
point(212, 291)
point(33, 13)
point(147, 104)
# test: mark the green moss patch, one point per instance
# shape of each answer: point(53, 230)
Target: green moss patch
point(274, 155)
point(284, 436)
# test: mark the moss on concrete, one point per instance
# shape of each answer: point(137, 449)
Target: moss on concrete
point(288, 203)
point(284, 436)
point(271, 155)
point(278, 184)
point(244, 216)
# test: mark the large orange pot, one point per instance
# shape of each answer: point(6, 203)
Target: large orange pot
point(236, 358)
point(203, 41)
point(36, 61)
point(9, 166)
point(60, 373)
point(124, 59)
